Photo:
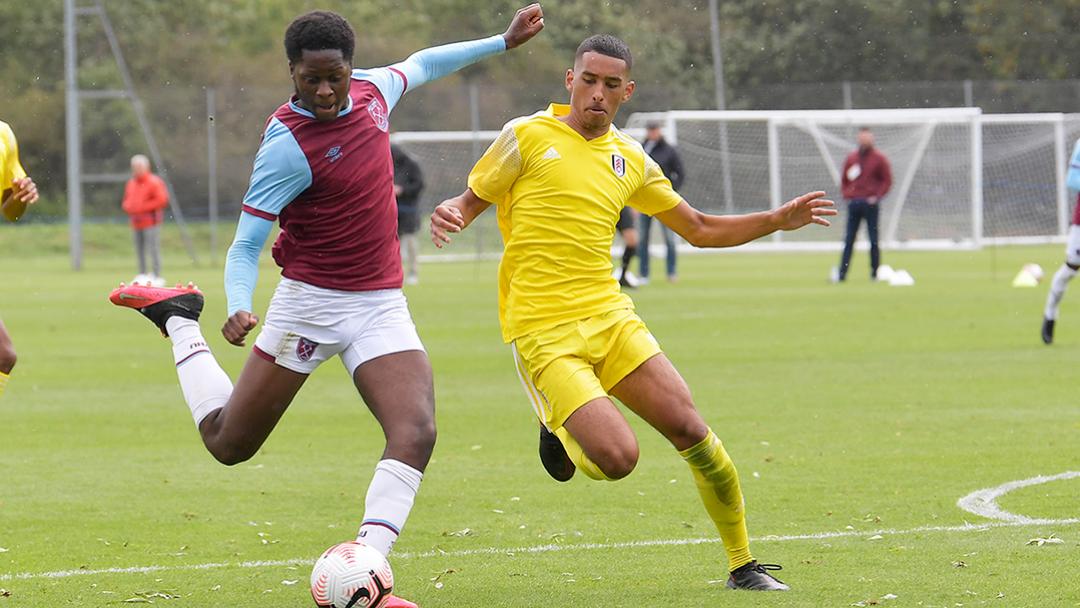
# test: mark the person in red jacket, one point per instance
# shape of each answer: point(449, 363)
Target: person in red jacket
point(145, 199)
point(864, 181)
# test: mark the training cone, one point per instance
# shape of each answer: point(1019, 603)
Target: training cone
point(885, 273)
point(901, 278)
point(1024, 278)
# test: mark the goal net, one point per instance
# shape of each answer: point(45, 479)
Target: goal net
point(960, 177)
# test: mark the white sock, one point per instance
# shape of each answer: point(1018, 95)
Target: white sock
point(389, 500)
point(1057, 290)
point(205, 385)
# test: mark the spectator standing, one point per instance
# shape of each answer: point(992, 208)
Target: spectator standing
point(865, 179)
point(408, 183)
point(145, 199)
point(671, 164)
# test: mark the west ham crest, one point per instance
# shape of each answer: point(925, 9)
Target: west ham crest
point(618, 164)
point(379, 115)
point(305, 349)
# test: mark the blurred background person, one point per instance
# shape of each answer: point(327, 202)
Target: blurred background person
point(1071, 265)
point(671, 164)
point(865, 179)
point(145, 199)
point(627, 229)
point(408, 183)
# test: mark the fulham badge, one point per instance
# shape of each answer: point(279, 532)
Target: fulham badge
point(618, 164)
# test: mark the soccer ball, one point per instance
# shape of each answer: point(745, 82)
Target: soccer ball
point(352, 575)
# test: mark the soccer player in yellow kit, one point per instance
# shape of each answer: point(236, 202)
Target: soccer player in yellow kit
point(16, 192)
point(559, 179)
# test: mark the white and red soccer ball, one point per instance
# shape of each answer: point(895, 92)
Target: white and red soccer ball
point(351, 575)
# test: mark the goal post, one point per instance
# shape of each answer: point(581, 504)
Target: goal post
point(961, 178)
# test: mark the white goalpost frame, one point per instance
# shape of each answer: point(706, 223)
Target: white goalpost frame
point(808, 121)
point(453, 148)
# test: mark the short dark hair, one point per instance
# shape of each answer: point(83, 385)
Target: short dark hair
point(606, 44)
point(319, 31)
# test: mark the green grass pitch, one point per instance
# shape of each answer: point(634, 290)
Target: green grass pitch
point(861, 410)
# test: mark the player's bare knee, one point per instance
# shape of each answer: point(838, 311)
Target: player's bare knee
point(619, 462)
point(687, 432)
point(231, 453)
point(231, 456)
point(415, 437)
point(7, 357)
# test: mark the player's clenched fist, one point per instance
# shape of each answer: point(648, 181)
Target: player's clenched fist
point(527, 23)
point(238, 326)
point(445, 219)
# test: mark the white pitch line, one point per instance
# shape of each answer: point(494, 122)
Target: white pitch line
point(551, 548)
point(984, 502)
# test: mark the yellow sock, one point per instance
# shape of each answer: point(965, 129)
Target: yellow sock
point(3, 382)
point(718, 484)
point(578, 457)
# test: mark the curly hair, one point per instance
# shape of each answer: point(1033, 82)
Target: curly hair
point(318, 31)
point(606, 44)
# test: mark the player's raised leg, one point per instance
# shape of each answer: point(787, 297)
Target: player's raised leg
point(599, 441)
point(656, 392)
point(233, 423)
point(580, 427)
point(399, 391)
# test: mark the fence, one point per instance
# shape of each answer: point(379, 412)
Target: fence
point(179, 118)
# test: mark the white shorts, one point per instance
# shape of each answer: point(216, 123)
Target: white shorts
point(1072, 246)
point(307, 325)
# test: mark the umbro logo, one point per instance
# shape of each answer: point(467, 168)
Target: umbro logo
point(334, 154)
point(551, 154)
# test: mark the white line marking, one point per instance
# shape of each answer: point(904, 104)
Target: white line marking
point(984, 502)
point(551, 548)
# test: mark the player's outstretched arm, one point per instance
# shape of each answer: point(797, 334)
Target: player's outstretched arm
point(22, 193)
point(704, 230)
point(454, 215)
point(241, 274)
point(435, 62)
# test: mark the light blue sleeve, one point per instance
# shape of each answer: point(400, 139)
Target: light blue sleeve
point(242, 262)
point(281, 172)
point(427, 65)
point(1073, 176)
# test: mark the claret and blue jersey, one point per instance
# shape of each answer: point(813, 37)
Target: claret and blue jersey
point(331, 184)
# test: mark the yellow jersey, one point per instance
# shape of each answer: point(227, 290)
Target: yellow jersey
point(10, 169)
point(558, 197)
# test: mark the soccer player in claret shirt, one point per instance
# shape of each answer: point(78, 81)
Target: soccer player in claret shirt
point(1071, 265)
point(16, 192)
point(559, 179)
point(324, 172)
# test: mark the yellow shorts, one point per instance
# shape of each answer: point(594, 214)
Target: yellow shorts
point(564, 367)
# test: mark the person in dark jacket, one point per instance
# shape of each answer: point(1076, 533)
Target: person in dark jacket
point(865, 179)
point(667, 157)
point(408, 182)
